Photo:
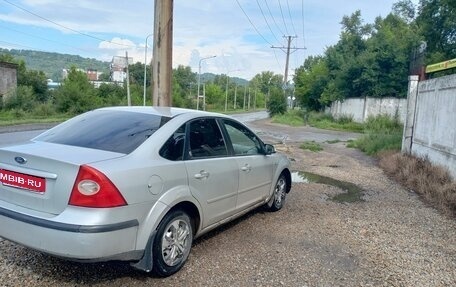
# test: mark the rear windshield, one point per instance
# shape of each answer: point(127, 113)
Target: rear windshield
point(116, 131)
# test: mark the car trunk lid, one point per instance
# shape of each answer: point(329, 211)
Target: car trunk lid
point(40, 175)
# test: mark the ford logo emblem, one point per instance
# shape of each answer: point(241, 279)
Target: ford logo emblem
point(20, 159)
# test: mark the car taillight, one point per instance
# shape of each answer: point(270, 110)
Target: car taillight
point(93, 189)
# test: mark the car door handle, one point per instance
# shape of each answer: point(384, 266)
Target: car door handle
point(246, 168)
point(202, 175)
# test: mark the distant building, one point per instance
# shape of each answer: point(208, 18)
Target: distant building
point(92, 74)
point(118, 68)
point(8, 79)
point(52, 85)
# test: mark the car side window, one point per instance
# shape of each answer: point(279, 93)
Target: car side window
point(206, 139)
point(243, 140)
point(173, 149)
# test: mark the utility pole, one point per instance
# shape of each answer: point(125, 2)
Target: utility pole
point(163, 52)
point(128, 79)
point(235, 95)
point(288, 50)
point(248, 104)
point(245, 94)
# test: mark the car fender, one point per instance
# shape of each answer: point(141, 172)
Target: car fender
point(163, 205)
point(283, 163)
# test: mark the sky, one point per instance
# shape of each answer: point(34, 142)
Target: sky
point(240, 33)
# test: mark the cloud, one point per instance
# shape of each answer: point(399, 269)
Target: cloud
point(117, 44)
point(201, 28)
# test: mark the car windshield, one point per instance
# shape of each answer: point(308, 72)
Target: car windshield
point(116, 131)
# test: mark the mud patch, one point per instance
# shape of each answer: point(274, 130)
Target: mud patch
point(352, 192)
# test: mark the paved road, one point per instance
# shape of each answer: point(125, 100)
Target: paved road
point(258, 121)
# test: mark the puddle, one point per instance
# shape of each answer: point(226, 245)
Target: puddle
point(352, 193)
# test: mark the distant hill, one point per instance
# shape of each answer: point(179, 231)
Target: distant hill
point(53, 63)
point(206, 77)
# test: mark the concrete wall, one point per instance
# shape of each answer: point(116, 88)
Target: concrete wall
point(8, 78)
point(434, 133)
point(361, 108)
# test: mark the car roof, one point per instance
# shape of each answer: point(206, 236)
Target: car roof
point(161, 111)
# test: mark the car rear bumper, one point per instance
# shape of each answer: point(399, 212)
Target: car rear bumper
point(95, 242)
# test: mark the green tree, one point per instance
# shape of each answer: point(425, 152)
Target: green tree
point(76, 94)
point(437, 24)
point(343, 59)
point(386, 58)
point(183, 82)
point(37, 80)
point(215, 95)
point(277, 103)
point(112, 95)
point(136, 72)
point(310, 81)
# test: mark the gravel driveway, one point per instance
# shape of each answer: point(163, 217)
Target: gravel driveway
point(389, 239)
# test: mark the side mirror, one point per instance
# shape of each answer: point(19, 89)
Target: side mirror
point(269, 149)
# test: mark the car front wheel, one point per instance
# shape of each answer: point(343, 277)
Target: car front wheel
point(173, 243)
point(280, 192)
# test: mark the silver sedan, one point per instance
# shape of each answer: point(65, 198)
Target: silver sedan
point(136, 184)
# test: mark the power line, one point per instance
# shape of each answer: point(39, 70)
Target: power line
point(291, 18)
point(277, 59)
point(303, 28)
point(272, 16)
point(288, 51)
point(283, 18)
point(42, 38)
point(254, 27)
point(67, 28)
point(267, 23)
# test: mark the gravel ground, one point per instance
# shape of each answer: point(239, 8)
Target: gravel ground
point(390, 238)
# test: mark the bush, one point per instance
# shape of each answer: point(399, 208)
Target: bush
point(277, 105)
point(382, 133)
point(23, 99)
point(44, 110)
point(383, 123)
point(373, 143)
point(345, 119)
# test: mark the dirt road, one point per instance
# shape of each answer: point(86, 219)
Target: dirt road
point(387, 238)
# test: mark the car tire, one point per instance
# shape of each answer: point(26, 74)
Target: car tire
point(279, 194)
point(172, 243)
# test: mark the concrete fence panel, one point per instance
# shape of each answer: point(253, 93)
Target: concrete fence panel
point(362, 108)
point(434, 134)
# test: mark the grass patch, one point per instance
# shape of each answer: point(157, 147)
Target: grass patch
point(298, 118)
point(327, 122)
point(13, 122)
point(381, 133)
point(333, 141)
point(433, 183)
point(293, 118)
point(311, 145)
point(41, 113)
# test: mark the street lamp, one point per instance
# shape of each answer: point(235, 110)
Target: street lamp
point(199, 79)
point(145, 69)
